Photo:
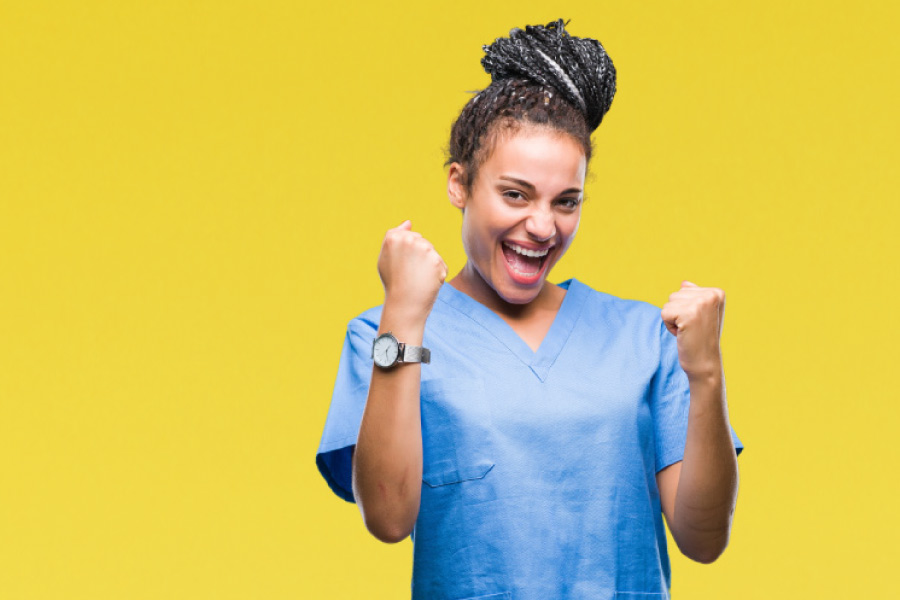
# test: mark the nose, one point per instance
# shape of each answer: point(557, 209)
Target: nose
point(541, 225)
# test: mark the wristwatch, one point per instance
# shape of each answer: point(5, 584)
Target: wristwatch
point(387, 352)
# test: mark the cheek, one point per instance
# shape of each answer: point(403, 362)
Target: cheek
point(575, 226)
point(476, 228)
point(472, 235)
point(570, 226)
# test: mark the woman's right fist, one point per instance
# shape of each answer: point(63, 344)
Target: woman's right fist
point(411, 270)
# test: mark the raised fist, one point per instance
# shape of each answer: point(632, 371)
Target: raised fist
point(694, 315)
point(411, 271)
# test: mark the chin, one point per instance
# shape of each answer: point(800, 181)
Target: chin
point(515, 294)
point(513, 288)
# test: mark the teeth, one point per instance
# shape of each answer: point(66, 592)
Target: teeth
point(527, 252)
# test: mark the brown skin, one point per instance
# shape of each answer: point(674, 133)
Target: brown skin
point(697, 494)
point(528, 192)
point(387, 461)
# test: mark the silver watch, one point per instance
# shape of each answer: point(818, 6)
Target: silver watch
point(387, 352)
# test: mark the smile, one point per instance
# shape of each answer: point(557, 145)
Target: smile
point(526, 266)
point(525, 251)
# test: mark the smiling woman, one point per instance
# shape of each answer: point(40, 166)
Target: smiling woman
point(536, 454)
point(519, 217)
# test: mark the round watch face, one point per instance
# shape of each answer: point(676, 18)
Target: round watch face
point(385, 350)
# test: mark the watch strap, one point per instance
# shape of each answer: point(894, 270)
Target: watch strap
point(414, 354)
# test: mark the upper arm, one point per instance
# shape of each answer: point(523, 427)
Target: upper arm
point(667, 482)
point(334, 455)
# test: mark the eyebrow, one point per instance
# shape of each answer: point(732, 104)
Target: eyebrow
point(531, 187)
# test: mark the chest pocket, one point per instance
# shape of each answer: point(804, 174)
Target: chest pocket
point(456, 431)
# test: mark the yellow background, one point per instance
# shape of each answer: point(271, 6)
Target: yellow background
point(192, 198)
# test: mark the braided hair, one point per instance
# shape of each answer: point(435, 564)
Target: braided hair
point(542, 76)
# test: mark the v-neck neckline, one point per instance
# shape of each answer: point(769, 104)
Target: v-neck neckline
point(541, 360)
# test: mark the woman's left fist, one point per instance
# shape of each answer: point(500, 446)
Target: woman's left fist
point(694, 316)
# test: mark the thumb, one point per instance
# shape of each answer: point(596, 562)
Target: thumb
point(687, 283)
point(407, 225)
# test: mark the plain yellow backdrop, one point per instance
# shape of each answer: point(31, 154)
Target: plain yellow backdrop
point(192, 198)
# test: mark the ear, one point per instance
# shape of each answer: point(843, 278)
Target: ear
point(456, 189)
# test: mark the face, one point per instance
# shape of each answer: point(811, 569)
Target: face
point(521, 214)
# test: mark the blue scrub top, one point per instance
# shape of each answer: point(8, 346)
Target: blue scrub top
point(539, 468)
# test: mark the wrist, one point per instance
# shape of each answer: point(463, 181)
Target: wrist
point(711, 376)
point(406, 323)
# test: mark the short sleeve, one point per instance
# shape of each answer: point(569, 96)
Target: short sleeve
point(670, 403)
point(348, 400)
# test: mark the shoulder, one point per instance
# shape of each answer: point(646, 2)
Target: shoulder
point(634, 324)
point(614, 309)
point(367, 319)
point(362, 328)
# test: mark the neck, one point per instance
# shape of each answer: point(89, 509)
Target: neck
point(470, 282)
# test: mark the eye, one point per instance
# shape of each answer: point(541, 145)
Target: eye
point(514, 195)
point(570, 203)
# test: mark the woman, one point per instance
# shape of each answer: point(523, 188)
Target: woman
point(535, 453)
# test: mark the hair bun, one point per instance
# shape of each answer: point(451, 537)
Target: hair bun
point(578, 68)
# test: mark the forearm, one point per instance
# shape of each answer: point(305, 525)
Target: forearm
point(707, 488)
point(387, 462)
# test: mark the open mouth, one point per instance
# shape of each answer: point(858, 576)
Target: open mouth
point(525, 265)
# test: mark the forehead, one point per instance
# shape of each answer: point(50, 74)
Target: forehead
point(544, 157)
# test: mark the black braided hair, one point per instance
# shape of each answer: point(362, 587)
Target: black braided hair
point(540, 75)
